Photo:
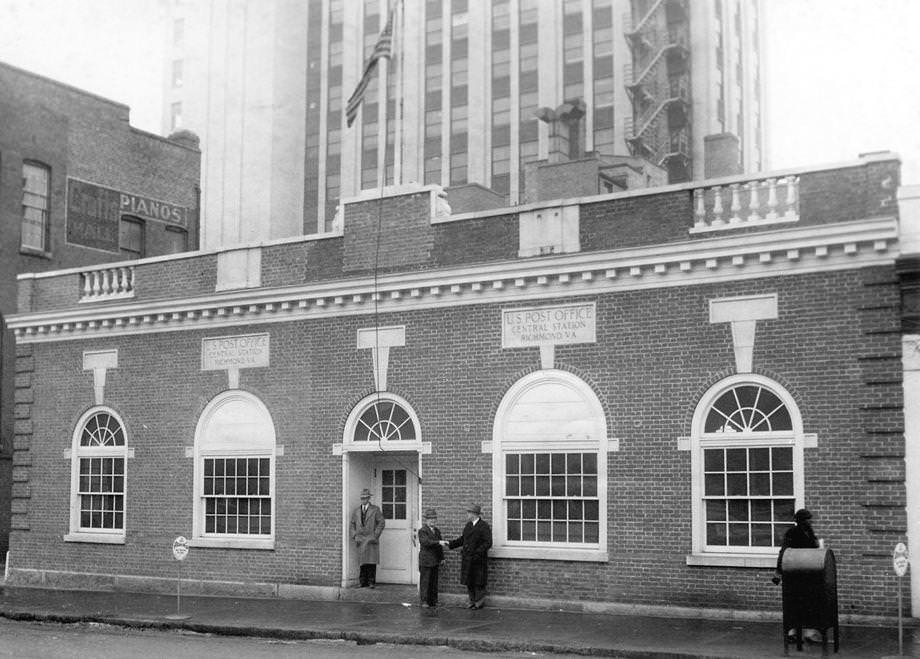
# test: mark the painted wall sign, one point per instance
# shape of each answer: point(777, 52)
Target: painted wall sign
point(554, 325)
point(93, 212)
point(241, 351)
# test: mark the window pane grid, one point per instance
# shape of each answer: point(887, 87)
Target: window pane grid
point(748, 495)
point(552, 497)
point(236, 496)
point(394, 494)
point(101, 490)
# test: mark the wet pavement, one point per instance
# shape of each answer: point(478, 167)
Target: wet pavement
point(393, 616)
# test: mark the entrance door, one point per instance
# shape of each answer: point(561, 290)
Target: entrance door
point(397, 494)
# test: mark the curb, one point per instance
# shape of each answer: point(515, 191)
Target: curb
point(357, 637)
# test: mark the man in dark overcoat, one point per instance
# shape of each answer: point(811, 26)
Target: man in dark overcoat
point(430, 557)
point(366, 526)
point(475, 542)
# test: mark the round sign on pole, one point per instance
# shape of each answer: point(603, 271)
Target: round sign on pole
point(180, 548)
point(900, 558)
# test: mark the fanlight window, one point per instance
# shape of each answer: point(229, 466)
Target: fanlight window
point(748, 408)
point(384, 421)
point(102, 429)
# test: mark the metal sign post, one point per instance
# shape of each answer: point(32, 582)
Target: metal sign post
point(180, 552)
point(900, 559)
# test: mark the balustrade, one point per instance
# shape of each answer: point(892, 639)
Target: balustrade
point(107, 283)
point(735, 205)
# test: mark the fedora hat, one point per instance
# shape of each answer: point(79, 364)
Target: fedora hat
point(430, 513)
point(365, 493)
point(474, 508)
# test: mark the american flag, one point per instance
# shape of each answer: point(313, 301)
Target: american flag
point(383, 48)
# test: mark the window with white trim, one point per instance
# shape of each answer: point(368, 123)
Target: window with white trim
point(384, 420)
point(550, 470)
point(234, 502)
point(98, 466)
point(747, 462)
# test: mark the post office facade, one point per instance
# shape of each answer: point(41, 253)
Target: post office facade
point(639, 388)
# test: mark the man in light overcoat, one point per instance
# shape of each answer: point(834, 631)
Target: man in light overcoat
point(366, 526)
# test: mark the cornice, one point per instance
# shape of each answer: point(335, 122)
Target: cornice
point(789, 251)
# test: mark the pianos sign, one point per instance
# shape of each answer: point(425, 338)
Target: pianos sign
point(93, 213)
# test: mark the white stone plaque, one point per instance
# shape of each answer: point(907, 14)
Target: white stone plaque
point(221, 353)
point(555, 325)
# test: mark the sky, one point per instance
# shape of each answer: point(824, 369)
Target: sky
point(841, 75)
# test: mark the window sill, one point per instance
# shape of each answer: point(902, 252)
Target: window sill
point(551, 554)
point(232, 543)
point(31, 251)
point(97, 538)
point(733, 560)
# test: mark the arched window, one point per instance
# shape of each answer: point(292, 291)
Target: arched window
point(384, 421)
point(98, 466)
point(550, 470)
point(746, 445)
point(380, 419)
point(234, 474)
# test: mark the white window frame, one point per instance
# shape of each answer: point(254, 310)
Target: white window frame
point(348, 439)
point(78, 452)
point(740, 556)
point(215, 441)
point(596, 442)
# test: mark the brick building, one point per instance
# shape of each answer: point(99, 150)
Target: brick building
point(638, 387)
point(80, 186)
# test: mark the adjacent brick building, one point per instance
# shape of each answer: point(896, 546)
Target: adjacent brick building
point(638, 387)
point(79, 186)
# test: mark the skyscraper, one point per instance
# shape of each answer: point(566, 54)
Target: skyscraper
point(474, 92)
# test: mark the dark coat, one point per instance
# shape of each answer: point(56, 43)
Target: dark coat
point(475, 542)
point(430, 552)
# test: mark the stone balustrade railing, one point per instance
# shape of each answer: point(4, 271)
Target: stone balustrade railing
point(107, 283)
point(742, 204)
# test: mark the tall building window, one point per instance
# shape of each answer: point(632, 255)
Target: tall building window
point(177, 73)
point(131, 237)
point(459, 92)
point(573, 55)
point(178, 33)
point(175, 113)
point(97, 491)
point(370, 111)
point(747, 475)
point(550, 470)
point(234, 503)
point(333, 178)
point(36, 205)
point(602, 25)
point(434, 84)
point(528, 87)
point(501, 97)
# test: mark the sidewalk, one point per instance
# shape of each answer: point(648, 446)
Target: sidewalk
point(401, 621)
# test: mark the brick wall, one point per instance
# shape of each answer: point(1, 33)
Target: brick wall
point(655, 352)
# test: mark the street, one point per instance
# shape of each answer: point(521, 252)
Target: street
point(33, 640)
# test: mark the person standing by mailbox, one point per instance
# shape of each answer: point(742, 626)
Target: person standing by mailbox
point(800, 536)
point(367, 524)
point(475, 541)
point(430, 557)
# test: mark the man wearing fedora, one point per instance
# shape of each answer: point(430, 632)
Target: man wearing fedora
point(366, 526)
point(430, 557)
point(475, 542)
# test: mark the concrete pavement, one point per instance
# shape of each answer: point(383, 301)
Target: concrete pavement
point(390, 614)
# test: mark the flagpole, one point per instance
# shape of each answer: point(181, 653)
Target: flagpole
point(400, 50)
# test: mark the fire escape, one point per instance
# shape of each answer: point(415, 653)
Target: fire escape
point(658, 84)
